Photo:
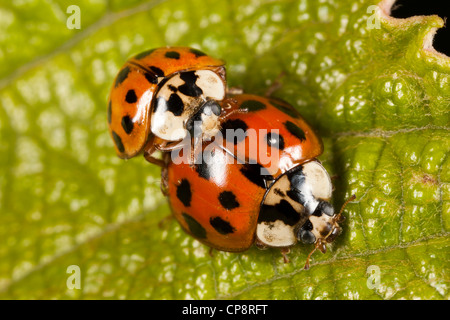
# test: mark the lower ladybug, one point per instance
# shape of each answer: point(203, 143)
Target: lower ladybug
point(258, 182)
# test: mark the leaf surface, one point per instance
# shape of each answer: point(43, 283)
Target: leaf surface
point(378, 94)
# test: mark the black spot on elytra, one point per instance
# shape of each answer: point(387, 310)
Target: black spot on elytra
point(184, 193)
point(127, 124)
point(109, 112)
point(152, 78)
point(228, 200)
point(208, 167)
point(295, 130)
point(256, 174)
point(189, 88)
point(234, 130)
point(157, 71)
point(144, 54)
point(235, 124)
point(275, 140)
point(131, 96)
point(172, 88)
point(197, 52)
point(203, 170)
point(281, 211)
point(221, 226)
point(285, 108)
point(172, 55)
point(252, 105)
point(194, 226)
point(118, 142)
point(121, 76)
point(175, 104)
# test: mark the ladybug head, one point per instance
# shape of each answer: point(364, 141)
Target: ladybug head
point(322, 227)
point(205, 121)
point(185, 98)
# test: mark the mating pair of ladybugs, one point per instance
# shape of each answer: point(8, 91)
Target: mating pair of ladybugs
point(237, 169)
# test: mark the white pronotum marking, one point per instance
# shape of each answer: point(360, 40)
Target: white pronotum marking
point(165, 125)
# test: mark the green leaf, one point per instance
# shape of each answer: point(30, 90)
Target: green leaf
point(379, 95)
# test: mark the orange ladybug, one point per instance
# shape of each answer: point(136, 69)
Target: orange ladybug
point(157, 94)
point(233, 196)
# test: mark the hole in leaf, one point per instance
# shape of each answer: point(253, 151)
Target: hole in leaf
point(408, 8)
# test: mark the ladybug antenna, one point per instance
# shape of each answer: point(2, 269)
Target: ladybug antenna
point(339, 215)
point(310, 254)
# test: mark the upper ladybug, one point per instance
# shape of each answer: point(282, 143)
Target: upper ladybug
point(157, 92)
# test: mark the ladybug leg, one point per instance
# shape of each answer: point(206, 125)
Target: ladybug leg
point(169, 146)
point(148, 156)
point(322, 247)
point(275, 85)
point(230, 107)
point(232, 112)
point(195, 144)
point(193, 147)
point(308, 259)
point(149, 150)
point(164, 147)
point(229, 103)
point(211, 252)
point(163, 223)
point(153, 160)
point(164, 182)
point(285, 252)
